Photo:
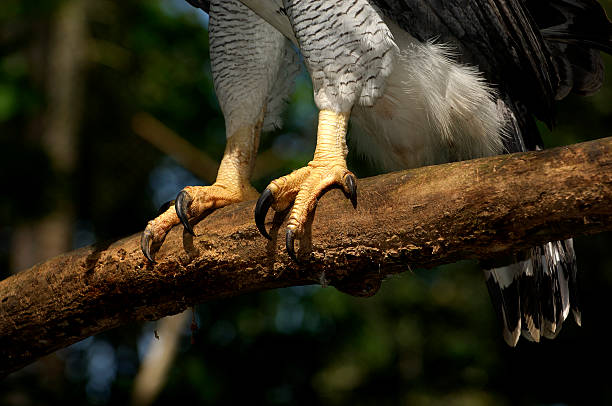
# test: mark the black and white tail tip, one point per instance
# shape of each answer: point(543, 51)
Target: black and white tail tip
point(534, 296)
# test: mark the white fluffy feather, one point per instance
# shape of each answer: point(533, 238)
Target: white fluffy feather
point(433, 110)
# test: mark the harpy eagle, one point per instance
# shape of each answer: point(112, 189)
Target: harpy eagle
point(428, 81)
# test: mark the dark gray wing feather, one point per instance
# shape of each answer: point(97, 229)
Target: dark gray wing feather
point(578, 22)
point(203, 4)
point(575, 31)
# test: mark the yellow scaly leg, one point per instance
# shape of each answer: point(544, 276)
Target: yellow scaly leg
point(304, 186)
point(231, 186)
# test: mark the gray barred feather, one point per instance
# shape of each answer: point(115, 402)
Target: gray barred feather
point(281, 88)
point(253, 65)
point(348, 50)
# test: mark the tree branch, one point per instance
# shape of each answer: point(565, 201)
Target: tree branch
point(424, 217)
point(190, 157)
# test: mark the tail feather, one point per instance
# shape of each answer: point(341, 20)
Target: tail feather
point(528, 296)
point(551, 301)
point(504, 292)
point(533, 296)
point(569, 264)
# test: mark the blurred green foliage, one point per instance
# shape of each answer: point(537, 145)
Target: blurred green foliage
point(428, 338)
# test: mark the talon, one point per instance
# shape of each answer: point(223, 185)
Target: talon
point(165, 206)
point(289, 244)
point(351, 183)
point(181, 205)
point(261, 209)
point(145, 245)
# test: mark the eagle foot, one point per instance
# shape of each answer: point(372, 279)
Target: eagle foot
point(191, 204)
point(303, 188)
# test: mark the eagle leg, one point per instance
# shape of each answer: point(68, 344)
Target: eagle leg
point(195, 202)
point(303, 187)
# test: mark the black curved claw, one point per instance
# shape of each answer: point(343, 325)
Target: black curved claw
point(261, 209)
point(290, 244)
point(145, 246)
point(165, 206)
point(181, 205)
point(351, 183)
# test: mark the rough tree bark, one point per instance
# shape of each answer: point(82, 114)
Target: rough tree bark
point(424, 217)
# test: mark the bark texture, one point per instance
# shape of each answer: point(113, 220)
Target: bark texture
point(424, 217)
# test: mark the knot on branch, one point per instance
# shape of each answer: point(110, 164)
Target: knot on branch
point(360, 285)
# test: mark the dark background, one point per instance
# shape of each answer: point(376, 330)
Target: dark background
point(74, 170)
